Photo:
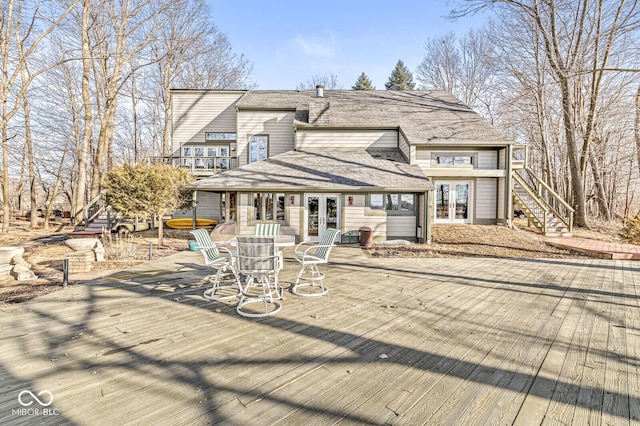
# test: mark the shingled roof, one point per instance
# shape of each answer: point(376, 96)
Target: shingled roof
point(425, 117)
point(338, 171)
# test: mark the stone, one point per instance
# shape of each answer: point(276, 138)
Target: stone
point(8, 253)
point(81, 244)
point(22, 272)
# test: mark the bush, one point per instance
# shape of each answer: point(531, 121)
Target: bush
point(630, 232)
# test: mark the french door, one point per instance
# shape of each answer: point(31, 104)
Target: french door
point(321, 214)
point(453, 202)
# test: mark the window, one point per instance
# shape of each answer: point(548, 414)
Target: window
point(216, 136)
point(376, 202)
point(258, 148)
point(210, 157)
point(398, 203)
point(448, 160)
point(268, 206)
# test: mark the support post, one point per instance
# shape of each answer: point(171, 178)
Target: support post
point(65, 273)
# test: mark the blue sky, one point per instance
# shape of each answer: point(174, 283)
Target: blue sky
point(289, 41)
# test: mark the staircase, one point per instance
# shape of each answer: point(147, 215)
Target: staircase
point(96, 216)
point(545, 210)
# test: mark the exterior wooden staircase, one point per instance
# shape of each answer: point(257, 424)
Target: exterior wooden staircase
point(545, 210)
point(96, 216)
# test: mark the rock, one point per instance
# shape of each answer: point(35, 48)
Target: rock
point(22, 272)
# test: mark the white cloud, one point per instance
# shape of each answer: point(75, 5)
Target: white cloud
point(314, 46)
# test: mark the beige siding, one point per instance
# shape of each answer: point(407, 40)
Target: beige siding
point(294, 215)
point(409, 151)
point(487, 160)
point(355, 217)
point(501, 189)
point(194, 113)
point(278, 125)
point(345, 139)
point(401, 226)
point(242, 216)
point(502, 164)
point(486, 198)
point(208, 207)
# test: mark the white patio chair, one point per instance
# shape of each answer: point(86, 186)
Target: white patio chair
point(257, 259)
point(310, 258)
point(222, 259)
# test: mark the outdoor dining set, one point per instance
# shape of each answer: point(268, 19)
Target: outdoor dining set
point(248, 267)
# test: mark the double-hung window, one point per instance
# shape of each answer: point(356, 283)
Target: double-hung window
point(258, 148)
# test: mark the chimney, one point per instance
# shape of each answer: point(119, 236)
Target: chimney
point(319, 91)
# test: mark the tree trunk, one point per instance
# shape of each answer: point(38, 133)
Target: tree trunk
point(637, 126)
point(79, 191)
point(579, 202)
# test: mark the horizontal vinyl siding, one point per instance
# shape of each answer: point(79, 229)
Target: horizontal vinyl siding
point(401, 226)
point(486, 198)
point(354, 218)
point(487, 160)
point(208, 207)
point(194, 113)
point(345, 139)
point(408, 150)
point(502, 164)
point(278, 125)
point(501, 201)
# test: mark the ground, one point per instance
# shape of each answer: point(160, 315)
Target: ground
point(45, 250)
point(488, 241)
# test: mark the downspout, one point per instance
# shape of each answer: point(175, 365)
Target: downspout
point(427, 222)
point(508, 196)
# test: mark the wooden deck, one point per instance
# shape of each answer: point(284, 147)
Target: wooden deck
point(396, 341)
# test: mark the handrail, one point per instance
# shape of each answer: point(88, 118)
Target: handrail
point(543, 204)
point(551, 191)
point(543, 221)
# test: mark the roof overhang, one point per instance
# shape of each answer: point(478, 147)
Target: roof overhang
point(333, 171)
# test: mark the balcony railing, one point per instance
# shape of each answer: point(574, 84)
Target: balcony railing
point(520, 154)
point(199, 166)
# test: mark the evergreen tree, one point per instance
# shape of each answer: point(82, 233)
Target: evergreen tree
point(363, 83)
point(400, 79)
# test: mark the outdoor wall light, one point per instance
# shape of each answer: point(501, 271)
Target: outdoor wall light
point(293, 199)
point(350, 200)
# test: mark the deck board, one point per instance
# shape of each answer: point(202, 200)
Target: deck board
point(491, 341)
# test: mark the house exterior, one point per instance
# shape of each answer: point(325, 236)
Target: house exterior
point(399, 162)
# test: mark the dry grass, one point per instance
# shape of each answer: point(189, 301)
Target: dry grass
point(477, 241)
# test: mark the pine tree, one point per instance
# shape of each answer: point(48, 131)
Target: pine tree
point(400, 79)
point(363, 83)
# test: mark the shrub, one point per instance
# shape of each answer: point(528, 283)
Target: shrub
point(630, 232)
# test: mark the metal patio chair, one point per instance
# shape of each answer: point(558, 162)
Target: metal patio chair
point(222, 259)
point(258, 261)
point(310, 258)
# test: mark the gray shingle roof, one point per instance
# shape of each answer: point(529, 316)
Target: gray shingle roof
point(425, 117)
point(338, 171)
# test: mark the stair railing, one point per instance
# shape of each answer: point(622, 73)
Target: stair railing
point(560, 207)
point(539, 190)
point(94, 207)
point(543, 206)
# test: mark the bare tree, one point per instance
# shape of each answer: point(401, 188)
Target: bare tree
point(462, 66)
point(25, 27)
point(329, 81)
point(577, 38)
